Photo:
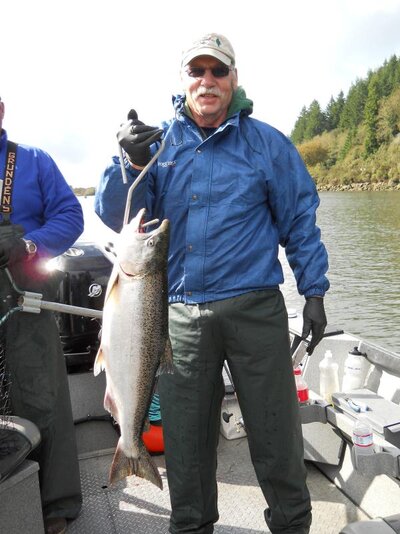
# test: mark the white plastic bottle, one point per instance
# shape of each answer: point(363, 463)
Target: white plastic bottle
point(363, 437)
point(355, 370)
point(328, 376)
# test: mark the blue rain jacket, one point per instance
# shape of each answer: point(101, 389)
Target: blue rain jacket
point(42, 201)
point(231, 198)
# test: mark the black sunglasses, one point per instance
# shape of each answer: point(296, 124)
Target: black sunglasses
point(218, 72)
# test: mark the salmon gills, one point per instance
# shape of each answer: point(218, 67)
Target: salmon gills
point(135, 344)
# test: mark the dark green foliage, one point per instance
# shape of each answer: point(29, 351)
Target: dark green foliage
point(315, 123)
point(350, 112)
point(357, 137)
point(311, 122)
point(389, 117)
point(371, 116)
point(333, 111)
point(348, 143)
point(300, 127)
point(388, 76)
point(353, 110)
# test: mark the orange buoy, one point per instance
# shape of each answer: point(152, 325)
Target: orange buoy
point(153, 439)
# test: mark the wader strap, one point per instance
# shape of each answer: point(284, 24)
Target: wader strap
point(11, 158)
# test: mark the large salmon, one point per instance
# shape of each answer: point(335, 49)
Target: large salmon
point(135, 344)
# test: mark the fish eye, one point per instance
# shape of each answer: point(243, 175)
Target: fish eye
point(150, 242)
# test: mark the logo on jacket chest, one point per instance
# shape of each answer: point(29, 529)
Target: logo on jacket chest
point(165, 164)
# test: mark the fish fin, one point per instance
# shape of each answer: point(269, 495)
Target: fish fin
point(114, 276)
point(146, 425)
point(121, 466)
point(99, 362)
point(110, 405)
point(143, 467)
point(166, 360)
point(146, 468)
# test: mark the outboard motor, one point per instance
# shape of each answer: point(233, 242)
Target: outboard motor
point(86, 272)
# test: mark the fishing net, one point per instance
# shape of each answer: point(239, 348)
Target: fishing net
point(4, 384)
point(14, 446)
point(7, 303)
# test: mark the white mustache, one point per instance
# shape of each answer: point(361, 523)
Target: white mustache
point(210, 91)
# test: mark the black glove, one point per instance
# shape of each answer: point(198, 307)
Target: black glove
point(135, 138)
point(12, 249)
point(314, 321)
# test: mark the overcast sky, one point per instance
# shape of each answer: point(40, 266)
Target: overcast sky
point(71, 70)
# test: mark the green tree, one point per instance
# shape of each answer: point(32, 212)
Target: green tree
point(333, 111)
point(297, 135)
point(371, 116)
point(388, 76)
point(389, 117)
point(348, 144)
point(353, 109)
point(315, 123)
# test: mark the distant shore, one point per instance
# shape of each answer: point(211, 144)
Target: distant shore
point(84, 191)
point(363, 186)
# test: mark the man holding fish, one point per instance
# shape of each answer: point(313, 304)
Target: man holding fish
point(233, 189)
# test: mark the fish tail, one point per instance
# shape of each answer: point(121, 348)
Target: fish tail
point(143, 466)
point(146, 468)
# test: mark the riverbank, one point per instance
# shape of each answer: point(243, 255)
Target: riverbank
point(361, 186)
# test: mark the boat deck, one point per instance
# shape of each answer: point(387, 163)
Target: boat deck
point(136, 506)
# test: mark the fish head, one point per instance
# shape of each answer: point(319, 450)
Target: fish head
point(140, 252)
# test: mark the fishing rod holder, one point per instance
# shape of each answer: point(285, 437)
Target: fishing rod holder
point(31, 302)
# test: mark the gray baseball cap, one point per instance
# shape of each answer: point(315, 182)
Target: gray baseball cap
point(212, 44)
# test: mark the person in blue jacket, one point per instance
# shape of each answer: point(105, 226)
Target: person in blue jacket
point(234, 189)
point(40, 217)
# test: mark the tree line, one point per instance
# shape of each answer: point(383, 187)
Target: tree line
point(357, 137)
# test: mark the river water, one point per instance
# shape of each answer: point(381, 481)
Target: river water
point(361, 231)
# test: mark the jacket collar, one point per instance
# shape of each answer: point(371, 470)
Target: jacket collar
point(240, 106)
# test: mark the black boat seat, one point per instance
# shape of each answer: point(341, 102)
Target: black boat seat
point(18, 437)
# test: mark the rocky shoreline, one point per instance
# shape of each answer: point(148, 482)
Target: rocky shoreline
point(362, 186)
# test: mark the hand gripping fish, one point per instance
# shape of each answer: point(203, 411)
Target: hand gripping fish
point(135, 344)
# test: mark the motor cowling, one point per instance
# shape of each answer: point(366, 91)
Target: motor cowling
point(86, 270)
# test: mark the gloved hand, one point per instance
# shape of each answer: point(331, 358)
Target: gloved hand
point(135, 138)
point(314, 321)
point(12, 249)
